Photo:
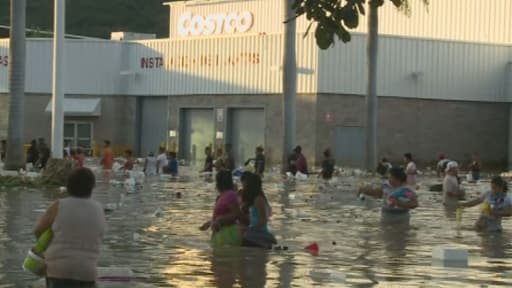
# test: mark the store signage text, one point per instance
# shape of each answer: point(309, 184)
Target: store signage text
point(151, 62)
point(221, 23)
point(214, 60)
point(4, 61)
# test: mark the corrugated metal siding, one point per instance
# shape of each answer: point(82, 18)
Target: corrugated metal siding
point(461, 20)
point(84, 59)
point(4, 51)
point(419, 69)
point(239, 65)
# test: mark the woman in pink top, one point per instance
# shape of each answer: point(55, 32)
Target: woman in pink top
point(226, 214)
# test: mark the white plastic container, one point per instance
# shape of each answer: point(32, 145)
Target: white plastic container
point(450, 255)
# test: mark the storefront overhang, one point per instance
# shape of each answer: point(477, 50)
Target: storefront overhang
point(80, 107)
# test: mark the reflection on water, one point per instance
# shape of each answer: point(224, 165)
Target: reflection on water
point(167, 250)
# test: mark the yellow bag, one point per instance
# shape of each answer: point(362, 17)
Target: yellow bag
point(227, 236)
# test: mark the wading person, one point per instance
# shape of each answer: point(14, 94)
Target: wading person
point(255, 205)
point(259, 161)
point(208, 162)
point(452, 192)
point(129, 163)
point(496, 204)
point(150, 165)
point(107, 158)
point(162, 161)
point(33, 153)
point(301, 163)
point(410, 170)
point(78, 225)
point(226, 214)
point(475, 167)
point(397, 197)
point(383, 167)
point(327, 165)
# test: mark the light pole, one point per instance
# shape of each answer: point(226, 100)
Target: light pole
point(289, 83)
point(59, 52)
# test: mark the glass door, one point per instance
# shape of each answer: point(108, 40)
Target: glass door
point(79, 134)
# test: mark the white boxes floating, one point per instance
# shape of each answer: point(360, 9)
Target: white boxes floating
point(450, 256)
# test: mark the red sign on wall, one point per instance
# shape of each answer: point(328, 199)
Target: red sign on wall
point(4, 61)
point(151, 62)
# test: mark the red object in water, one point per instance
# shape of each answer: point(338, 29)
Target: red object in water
point(313, 248)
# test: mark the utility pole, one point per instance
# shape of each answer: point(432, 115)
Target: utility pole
point(59, 54)
point(289, 83)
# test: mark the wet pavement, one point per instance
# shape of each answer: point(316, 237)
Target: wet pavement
point(155, 233)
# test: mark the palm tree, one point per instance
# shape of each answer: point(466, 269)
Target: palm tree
point(289, 83)
point(15, 156)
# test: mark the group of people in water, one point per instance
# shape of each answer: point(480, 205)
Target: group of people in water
point(240, 217)
point(400, 197)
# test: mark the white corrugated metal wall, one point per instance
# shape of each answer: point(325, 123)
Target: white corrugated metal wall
point(412, 68)
point(418, 68)
point(92, 67)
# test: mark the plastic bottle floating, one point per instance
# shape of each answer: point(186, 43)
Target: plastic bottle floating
point(34, 261)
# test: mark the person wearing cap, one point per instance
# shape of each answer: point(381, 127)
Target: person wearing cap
point(452, 192)
point(441, 165)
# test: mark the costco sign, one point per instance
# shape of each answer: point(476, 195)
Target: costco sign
point(221, 23)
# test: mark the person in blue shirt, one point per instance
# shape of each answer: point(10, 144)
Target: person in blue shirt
point(256, 208)
point(495, 204)
point(173, 164)
point(398, 198)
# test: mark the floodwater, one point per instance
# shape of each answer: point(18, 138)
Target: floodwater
point(168, 250)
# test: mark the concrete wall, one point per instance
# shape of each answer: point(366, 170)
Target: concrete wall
point(4, 115)
point(117, 121)
point(422, 127)
point(273, 111)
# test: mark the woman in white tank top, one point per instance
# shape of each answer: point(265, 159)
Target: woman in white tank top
point(78, 225)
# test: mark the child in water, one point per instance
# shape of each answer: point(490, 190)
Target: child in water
point(398, 197)
point(496, 204)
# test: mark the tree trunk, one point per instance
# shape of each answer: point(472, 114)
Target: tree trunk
point(15, 156)
point(371, 97)
point(289, 84)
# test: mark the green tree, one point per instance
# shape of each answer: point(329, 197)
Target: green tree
point(15, 156)
point(334, 19)
point(97, 18)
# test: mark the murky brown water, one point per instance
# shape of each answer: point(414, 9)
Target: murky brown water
point(169, 251)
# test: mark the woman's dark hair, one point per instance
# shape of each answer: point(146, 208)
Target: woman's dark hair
point(398, 173)
point(81, 182)
point(298, 149)
point(107, 142)
point(224, 181)
point(498, 181)
point(128, 152)
point(252, 189)
point(408, 156)
point(244, 176)
point(384, 160)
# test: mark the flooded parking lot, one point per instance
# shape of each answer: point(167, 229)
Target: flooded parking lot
point(155, 232)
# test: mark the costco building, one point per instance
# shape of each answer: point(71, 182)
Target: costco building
point(444, 84)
